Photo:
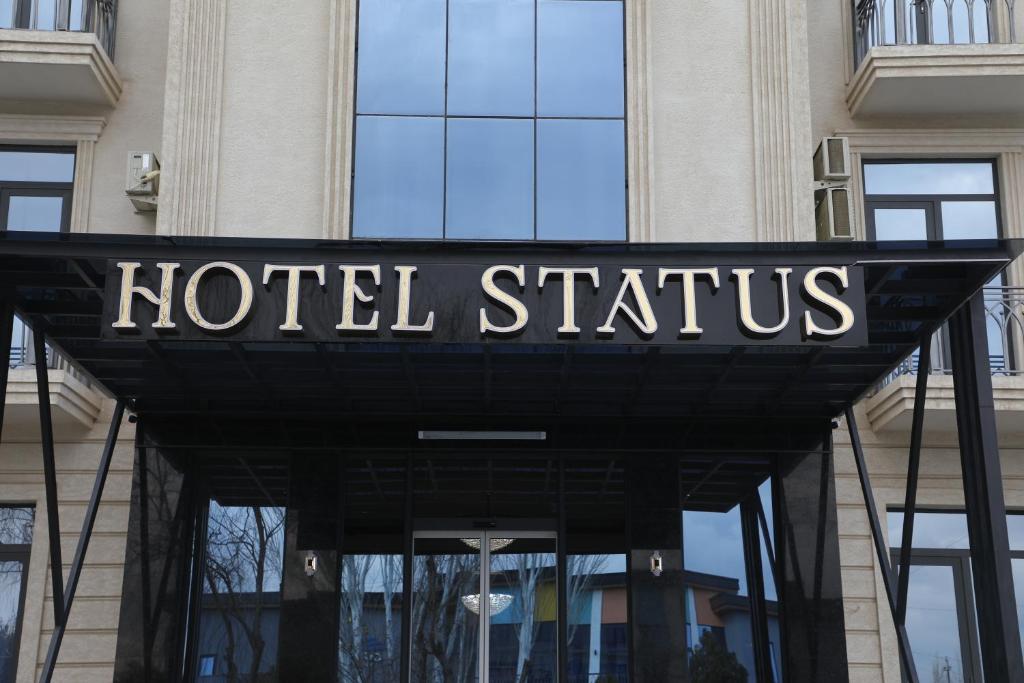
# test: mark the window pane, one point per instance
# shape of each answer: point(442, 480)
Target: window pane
point(931, 530)
point(11, 576)
point(579, 58)
point(16, 525)
point(490, 179)
point(901, 224)
point(933, 623)
point(41, 214)
point(399, 183)
point(969, 220)
point(953, 178)
point(401, 57)
point(581, 180)
point(1015, 524)
point(1018, 591)
point(370, 634)
point(597, 618)
point(47, 167)
point(242, 588)
point(490, 57)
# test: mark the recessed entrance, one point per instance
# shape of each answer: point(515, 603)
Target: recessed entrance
point(484, 607)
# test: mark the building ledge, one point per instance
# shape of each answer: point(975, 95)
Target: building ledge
point(891, 409)
point(58, 67)
point(75, 406)
point(895, 80)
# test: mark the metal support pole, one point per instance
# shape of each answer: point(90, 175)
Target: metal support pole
point(83, 540)
point(755, 590)
point(767, 536)
point(6, 330)
point(983, 494)
point(49, 474)
point(913, 468)
point(902, 640)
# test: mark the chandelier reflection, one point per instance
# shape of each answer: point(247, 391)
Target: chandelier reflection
point(495, 544)
point(499, 603)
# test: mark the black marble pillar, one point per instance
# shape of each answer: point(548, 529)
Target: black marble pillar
point(656, 603)
point(810, 583)
point(308, 636)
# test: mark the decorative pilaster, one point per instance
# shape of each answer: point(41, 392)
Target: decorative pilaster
point(1011, 173)
point(192, 106)
point(782, 120)
point(81, 195)
point(341, 98)
point(638, 116)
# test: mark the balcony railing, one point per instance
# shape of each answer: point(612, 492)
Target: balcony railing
point(87, 16)
point(1004, 310)
point(929, 22)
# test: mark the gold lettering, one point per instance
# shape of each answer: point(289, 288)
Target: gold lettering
point(689, 276)
point(496, 294)
point(162, 302)
point(815, 291)
point(192, 302)
point(646, 323)
point(743, 294)
point(569, 293)
point(291, 315)
point(353, 291)
point(405, 275)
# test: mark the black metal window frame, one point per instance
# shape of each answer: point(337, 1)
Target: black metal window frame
point(19, 188)
point(536, 117)
point(17, 552)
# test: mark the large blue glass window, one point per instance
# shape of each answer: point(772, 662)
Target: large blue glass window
point(490, 119)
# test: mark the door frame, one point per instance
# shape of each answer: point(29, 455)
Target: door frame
point(505, 529)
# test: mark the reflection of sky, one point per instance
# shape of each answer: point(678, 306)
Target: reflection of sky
point(932, 622)
point(931, 530)
point(10, 594)
point(953, 178)
point(36, 166)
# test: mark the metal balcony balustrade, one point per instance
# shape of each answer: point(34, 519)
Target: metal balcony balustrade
point(1004, 313)
point(86, 16)
point(929, 22)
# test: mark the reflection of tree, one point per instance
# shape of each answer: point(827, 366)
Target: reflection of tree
point(444, 635)
point(358, 665)
point(244, 548)
point(713, 663)
point(581, 569)
point(16, 525)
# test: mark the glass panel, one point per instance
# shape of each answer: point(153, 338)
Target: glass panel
point(401, 57)
point(901, 224)
point(399, 183)
point(490, 179)
point(39, 214)
point(524, 606)
point(969, 220)
point(490, 57)
point(370, 634)
point(11, 572)
point(933, 623)
point(718, 628)
point(1018, 591)
point(579, 58)
point(931, 530)
point(445, 611)
point(1015, 524)
point(951, 178)
point(6, 13)
point(16, 525)
point(581, 180)
point(241, 599)
point(41, 167)
point(597, 618)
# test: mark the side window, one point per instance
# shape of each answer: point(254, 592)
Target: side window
point(490, 119)
point(35, 195)
point(15, 547)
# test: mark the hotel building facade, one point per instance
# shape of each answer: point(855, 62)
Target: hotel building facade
point(512, 340)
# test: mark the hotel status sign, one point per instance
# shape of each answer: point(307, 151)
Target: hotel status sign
point(512, 302)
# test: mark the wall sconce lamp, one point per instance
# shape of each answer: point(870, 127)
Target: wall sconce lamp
point(656, 563)
point(311, 564)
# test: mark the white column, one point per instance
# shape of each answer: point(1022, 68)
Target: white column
point(594, 667)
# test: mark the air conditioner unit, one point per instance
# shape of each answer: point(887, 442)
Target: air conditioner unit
point(832, 214)
point(832, 159)
point(142, 185)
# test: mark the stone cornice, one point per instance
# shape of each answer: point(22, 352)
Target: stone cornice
point(41, 128)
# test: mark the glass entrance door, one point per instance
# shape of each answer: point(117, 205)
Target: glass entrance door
point(484, 607)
